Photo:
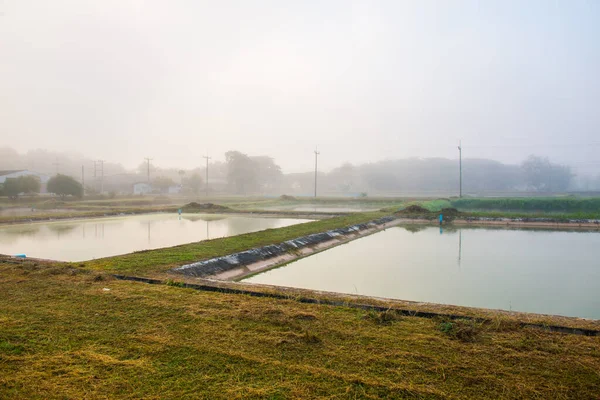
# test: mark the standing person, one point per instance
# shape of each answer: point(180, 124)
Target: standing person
point(441, 218)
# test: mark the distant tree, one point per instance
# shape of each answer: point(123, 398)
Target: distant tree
point(23, 184)
point(242, 172)
point(343, 178)
point(30, 184)
point(64, 185)
point(193, 183)
point(181, 175)
point(268, 174)
point(11, 188)
point(163, 183)
point(544, 176)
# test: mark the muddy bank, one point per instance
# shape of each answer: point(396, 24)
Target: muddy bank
point(515, 222)
point(532, 222)
point(247, 262)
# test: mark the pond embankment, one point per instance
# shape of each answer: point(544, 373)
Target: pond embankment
point(241, 264)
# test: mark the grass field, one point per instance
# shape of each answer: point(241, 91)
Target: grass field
point(555, 208)
point(553, 204)
point(75, 333)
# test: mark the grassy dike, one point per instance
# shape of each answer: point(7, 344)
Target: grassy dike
point(146, 263)
point(76, 333)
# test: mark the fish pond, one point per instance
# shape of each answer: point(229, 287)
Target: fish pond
point(322, 208)
point(539, 271)
point(79, 240)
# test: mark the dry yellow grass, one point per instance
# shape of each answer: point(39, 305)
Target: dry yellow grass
point(62, 335)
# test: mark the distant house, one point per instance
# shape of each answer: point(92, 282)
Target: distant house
point(142, 188)
point(15, 173)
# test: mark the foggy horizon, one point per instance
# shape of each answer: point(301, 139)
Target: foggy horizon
point(363, 82)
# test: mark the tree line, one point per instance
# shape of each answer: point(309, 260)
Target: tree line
point(246, 174)
point(61, 185)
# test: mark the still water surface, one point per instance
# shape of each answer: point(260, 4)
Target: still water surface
point(322, 208)
point(549, 272)
point(102, 237)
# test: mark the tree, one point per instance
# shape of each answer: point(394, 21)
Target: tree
point(193, 183)
point(23, 184)
point(344, 178)
point(64, 185)
point(242, 172)
point(11, 188)
point(163, 183)
point(30, 184)
point(268, 174)
point(543, 176)
point(181, 175)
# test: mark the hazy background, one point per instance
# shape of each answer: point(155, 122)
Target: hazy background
point(364, 80)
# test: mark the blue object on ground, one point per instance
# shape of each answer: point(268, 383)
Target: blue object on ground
point(20, 256)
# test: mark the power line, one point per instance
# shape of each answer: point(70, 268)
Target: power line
point(537, 145)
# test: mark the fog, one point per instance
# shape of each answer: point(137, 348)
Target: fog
point(365, 81)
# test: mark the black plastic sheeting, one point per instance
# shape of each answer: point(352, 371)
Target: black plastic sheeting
point(219, 265)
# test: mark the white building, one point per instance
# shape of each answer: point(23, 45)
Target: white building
point(15, 173)
point(142, 188)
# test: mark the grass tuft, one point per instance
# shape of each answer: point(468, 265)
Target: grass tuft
point(464, 330)
point(383, 317)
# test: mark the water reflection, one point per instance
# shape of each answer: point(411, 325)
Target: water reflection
point(459, 246)
point(12, 233)
point(94, 238)
point(542, 271)
point(415, 228)
point(61, 228)
point(204, 217)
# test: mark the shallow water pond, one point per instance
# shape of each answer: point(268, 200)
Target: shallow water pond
point(79, 240)
point(322, 208)
point(540, 271)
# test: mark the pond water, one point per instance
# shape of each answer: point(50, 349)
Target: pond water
point(322, 208)
point(79, 240)
point(548, 272)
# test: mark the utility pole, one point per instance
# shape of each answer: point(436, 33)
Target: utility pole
point(460, 167)
point(207, 158)
point(316, 155)
point(148, 161)
point(101, 162)
point(82, 180)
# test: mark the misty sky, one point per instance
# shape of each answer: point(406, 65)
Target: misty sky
point(364, 80)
